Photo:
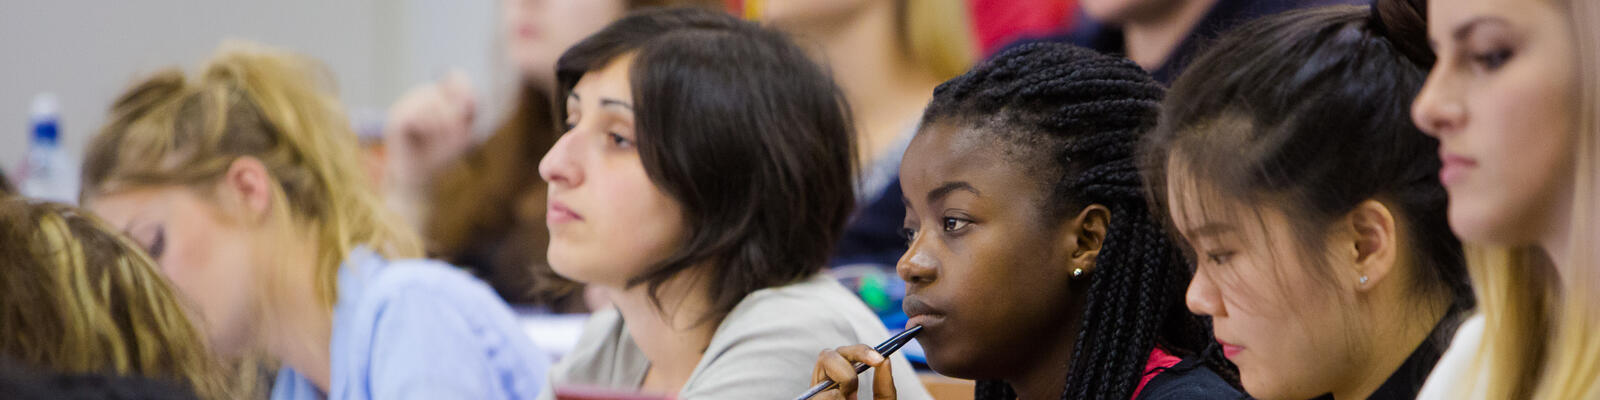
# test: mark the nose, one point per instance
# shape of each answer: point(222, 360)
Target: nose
point(1202, 296)
point(1438, 109)
point(559, 166)
point(918, 266)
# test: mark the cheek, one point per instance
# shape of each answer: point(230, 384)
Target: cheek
point(629, 226)
point(999, 292)
point(1521, 131)
point(210, 269)
point(1291, 336)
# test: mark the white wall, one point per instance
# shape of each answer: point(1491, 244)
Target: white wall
point(88, 51)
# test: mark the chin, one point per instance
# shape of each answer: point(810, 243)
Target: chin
point(1480, 225)
point(951, 364)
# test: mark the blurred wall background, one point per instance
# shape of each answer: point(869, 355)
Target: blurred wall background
point(87, 51)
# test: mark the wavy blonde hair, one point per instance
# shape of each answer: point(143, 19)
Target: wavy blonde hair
point(257, 102)
point(77, 298)
point(1542, 322)
point(936, 34)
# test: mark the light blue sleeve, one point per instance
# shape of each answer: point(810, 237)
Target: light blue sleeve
point(425, 345)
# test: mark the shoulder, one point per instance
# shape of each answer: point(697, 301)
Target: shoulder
point(1198, 382)
point(818, 306)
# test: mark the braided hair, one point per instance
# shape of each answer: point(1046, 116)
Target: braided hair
point(1074, 117)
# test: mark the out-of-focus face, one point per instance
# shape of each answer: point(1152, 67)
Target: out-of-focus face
point(1285, 327)
point(984, 272)
point(206, 255)
point(1502, 101)
point(1122, 11)
point(608, 221)
point(805, 15)
point(538, 31)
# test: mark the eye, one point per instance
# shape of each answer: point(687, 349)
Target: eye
point(955, 224)
point(1219, 257)
point(908, 234)
point(158, 244)
point(619, 141)
point(1492, 60)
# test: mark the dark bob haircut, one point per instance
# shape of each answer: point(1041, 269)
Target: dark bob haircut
point(747, 133)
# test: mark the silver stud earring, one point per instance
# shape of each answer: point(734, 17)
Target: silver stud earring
point(1077, 272)
point(1363, 279)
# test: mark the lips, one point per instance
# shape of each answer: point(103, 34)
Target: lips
point(921, 313)
point(1454, 167)
point(1230, 350)
point(558, 213)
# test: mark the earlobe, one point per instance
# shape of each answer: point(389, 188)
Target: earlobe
point(1087, 233)
point(250, 186)
point(1375, 234)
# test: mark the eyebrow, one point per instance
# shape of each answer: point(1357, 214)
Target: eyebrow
point(948, 187)
point(1209, 229)
point(1466, 28)
point(609, 102)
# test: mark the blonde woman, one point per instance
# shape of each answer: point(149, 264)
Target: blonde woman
point(1513, 101)
point(76, 298)
point(243, 184)
point(887, 56)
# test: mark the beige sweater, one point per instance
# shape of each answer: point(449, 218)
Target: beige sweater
point(766, 348)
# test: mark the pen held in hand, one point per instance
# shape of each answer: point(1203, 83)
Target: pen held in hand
point(884, 349)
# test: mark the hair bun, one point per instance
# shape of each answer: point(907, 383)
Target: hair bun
point(1404, 24)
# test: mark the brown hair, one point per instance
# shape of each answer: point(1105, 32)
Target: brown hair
point(76, 298)
point(488, 207)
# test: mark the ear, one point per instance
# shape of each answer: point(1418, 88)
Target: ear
point(246, 189)
point(1085, 236)
point(1375, 243)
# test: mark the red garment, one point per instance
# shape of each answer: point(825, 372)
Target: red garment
point(1159, 362)
point(999, 22)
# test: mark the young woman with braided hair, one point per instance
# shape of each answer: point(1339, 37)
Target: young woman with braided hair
point(1313, 207)
point(1034, 265)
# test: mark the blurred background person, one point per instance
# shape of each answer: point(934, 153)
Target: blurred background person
point(1163, 35)
point(243, 183)
point(481, 205)
point(887, 56)
point(1515, 103)
point(78, 298)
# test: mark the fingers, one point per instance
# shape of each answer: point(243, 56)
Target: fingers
point(838, 365)
point(883, 381)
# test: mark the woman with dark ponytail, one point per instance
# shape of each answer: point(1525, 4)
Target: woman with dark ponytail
point(1034, 265)
point(1311, 205)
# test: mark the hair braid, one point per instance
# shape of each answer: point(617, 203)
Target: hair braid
point(1079, 115)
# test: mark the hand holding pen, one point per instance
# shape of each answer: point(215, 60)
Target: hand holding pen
point(838, 369)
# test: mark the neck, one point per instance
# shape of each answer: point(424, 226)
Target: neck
point(1150, 40)
point(1401, 331)
point(673, 336)
point(887, 90)
point(298, 327)
point(1045, 375)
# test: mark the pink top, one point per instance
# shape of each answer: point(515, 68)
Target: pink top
point(1159, 362)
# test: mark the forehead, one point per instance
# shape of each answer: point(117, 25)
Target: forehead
point(945, 152)
point(611, 80)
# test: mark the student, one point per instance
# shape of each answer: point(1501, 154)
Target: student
point(243, 184)
point(1164, 35)
point(1513, 102)
point(1035, 266)
point(481, 206)
point(887, 56)
point(702, 182)
point(76, 298)
point(1311, 205)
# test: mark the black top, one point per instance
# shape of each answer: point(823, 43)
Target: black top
point(1406, 381)
point(1223, 16)
point(1189, 380)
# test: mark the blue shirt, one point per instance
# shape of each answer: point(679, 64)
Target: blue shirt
point(419, 329)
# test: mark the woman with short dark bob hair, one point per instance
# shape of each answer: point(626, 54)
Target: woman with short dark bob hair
point(703, 179)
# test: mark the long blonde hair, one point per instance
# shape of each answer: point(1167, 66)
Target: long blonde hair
point(257, 102)
point(77, 298)
point(1542, 326)
point(938, 34)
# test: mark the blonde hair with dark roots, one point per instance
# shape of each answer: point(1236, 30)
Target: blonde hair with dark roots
point(1539, 338)
point(257, 102)
point(77, 298)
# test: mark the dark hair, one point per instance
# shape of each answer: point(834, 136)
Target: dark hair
point(1074, 116)
point(21, 383)
point(735, 123)
point(5, 186)
point(1310, 111)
